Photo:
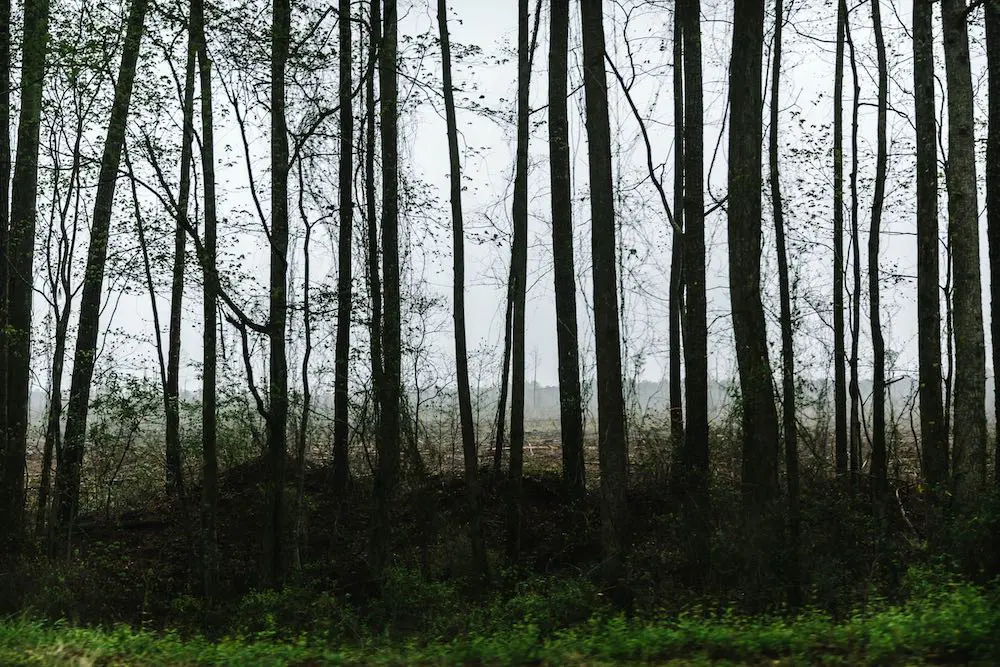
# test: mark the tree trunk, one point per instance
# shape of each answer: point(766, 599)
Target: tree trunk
point(278, 302)
point(933, 435)
point(68, 474)
point(992, 212)
point(210, 298)
point(345, 295)
point(387, 472)
point(969, 473)
point(341, 463)
point(18, 288)
point(469, 454)
point(760, 420)
point(61, 282)
point(563, 266)
point(5, 165)
point(504, 376)
point(171, 392)
point(676, 304)
point(519, 280)
point(611, 444)
point(855, 388)
point(839, 345)
point(693, 462)
point(787, 351)
point(879, 468)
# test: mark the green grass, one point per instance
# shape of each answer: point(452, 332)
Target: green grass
point(947, 623)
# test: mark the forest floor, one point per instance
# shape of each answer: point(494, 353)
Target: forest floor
point(129, 592)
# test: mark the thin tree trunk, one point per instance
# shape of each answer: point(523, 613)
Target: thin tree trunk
point(611, 443)
point(563, 266)
point(15, 344)
point(68, 474)
point(345, 295)
point(278, 302)
point(969, 473)
point(787, 350)
point(341, 467)
point(855, 388)
point(470, 456)
point(504, 375)
point(839, 345)
point(676, 304)
point(210, 298)
point(62, 281)
point(519, 279)
point(302, 433)
point(387, 472)
point(171, 394)
point(992, 209)
point(879, 468)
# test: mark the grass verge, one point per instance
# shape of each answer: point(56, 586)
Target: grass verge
point(950, 623)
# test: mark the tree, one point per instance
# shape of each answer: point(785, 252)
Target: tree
point(934, 440)
point(611, 443)
point(171, 393)
point(210, 298)
point(345, 293)
point(879, 464)
point(469, 453)
point(519, 284)
point(789, 425)
point(341, 469)
point(85, 355)
point(563, 266)
point(277, 421)
point(963, 236)
point(854, 387)
point(693, 462)
point(676, 304)
point(15, 344)
point(760, 421)
point(993, 222)
point(387, 471)
point(839, 345)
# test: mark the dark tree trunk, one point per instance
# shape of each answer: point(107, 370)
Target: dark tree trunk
point(854, 388)
point(341, 466)
point(611, 443)
point(692, 471)
point(969, 455)
point(342, 355)
point(563, 266)
point(68, 474)
point(519, 287)
point(992, 213)
point(18, 262)
point(760, 420)
point(839, 345)
point(469, 453)
point(676, 304)
point(787, 351)
point(277, 421)
point(501, 422)
point(387, 472)
point(879, 467)
point(210, 298)
point(171, 394)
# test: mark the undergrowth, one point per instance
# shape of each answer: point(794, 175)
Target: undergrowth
point(944, 621)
